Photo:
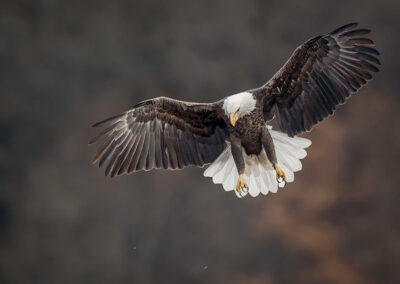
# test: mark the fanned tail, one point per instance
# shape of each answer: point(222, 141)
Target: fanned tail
point(260, 174)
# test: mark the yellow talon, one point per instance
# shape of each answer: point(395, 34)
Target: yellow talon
point(241, 187)
point(280, 173)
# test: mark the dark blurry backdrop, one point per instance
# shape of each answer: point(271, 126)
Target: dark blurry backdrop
point(67, 64)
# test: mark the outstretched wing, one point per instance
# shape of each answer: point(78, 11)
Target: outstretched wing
point(320, 75)
point(160, 133)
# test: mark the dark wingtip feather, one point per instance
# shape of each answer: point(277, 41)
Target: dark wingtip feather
point(94, 139)
point(370, 66)
point(344, 28)
point(360, 41)
point(105, 132)
point(365, 49)
point(109, 119)
point(356, 32)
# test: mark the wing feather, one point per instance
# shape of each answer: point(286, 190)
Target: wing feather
point(160, 133)
point(320, 75)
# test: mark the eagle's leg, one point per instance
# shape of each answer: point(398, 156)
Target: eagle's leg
point(280, 175)
point(241, 187)
point(236, 148)
point(269, 148)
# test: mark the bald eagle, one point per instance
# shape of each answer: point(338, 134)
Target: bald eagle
point(245, 153)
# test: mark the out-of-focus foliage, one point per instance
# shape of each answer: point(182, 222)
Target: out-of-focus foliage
point(67, 64)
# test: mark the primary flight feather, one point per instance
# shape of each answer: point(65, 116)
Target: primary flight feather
point(232, 135)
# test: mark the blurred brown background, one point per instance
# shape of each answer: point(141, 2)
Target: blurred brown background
point(67, 64)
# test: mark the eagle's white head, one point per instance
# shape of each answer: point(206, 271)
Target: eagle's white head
point(239, 105)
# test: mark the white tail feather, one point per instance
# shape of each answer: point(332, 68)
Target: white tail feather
point(260, 174)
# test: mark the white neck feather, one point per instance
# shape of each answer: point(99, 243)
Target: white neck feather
point(244, 102)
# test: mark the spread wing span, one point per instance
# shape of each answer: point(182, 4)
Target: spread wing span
point(320, 75)
point(160, 133)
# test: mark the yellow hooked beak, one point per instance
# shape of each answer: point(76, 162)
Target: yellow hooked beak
point(233, 118)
